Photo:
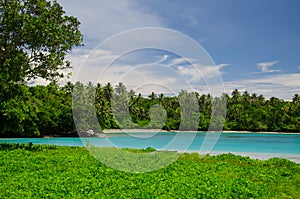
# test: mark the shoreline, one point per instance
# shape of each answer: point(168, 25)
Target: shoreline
point(152, 131)
point(260, 132)
point(111, 131)
point(252, 155)
point(107, 131)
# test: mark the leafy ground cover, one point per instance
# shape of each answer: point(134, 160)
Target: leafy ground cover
point(35, 171)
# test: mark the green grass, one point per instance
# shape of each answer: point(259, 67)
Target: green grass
point(35, 171)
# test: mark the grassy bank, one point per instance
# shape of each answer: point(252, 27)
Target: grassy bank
point(33, 171)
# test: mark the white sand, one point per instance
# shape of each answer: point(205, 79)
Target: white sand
point(160, 130)
point(133, 130)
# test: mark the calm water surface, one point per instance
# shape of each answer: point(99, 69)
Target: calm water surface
point(257, 145)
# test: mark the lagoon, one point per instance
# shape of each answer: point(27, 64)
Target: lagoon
point(255, 145)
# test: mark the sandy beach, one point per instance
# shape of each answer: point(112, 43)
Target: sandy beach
point(160, 130)
point(133, 130)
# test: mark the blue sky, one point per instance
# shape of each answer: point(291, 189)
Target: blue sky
point(255, 45)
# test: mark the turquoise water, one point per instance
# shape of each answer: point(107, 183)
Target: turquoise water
point(235, 142)
point(258, 145)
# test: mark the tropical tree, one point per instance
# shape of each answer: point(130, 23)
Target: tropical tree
point(35, 36)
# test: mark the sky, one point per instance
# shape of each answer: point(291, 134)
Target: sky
point(251, 46)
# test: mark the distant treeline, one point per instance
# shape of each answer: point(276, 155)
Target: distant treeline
point(47, 110)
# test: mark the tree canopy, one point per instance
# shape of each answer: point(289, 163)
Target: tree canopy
point(35, 36)
point(46, 110)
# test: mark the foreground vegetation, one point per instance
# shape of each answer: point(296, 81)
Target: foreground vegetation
point(33, 171)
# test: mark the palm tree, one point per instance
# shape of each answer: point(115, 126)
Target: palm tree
point(108, 91)
point(296, 98)
point(152, 97)
point(161, 98)
point(236, 96)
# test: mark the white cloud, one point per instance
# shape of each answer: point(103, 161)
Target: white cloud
point(101, 19)
point(220, 66)
point(264, 66)
point(163, 58)
point(282, 86)
point(93, 66)
point(175, 75)
point(196, 72)
point(141, 77)
point(180, 60)
point(170, 79)
point(90, 65)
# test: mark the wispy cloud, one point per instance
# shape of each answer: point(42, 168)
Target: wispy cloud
point(166, 74)
point(195, 74)
point(101, 19)
point(180, 60)
point(163, 58)
point(264, 66)
point(283, 86)
point(163, 73)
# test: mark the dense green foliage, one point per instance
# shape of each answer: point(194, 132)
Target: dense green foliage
point(243, 111)
point(71, 172)
point(44, 110)
point(39, 110)
point(35, 36)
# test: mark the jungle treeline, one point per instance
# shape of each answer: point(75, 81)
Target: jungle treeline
point(48, 110)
